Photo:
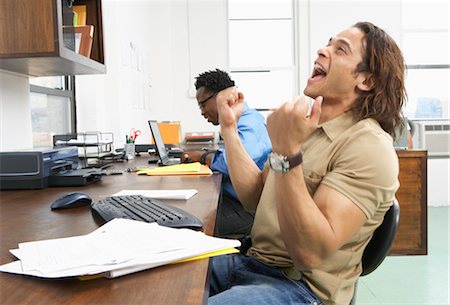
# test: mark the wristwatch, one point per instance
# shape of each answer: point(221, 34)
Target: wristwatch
point(283, 164)
point(205, 154)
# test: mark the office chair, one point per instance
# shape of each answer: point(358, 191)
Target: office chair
point(380, 244)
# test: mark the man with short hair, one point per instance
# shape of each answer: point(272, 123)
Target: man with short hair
point(331, 177)
point(232, 220)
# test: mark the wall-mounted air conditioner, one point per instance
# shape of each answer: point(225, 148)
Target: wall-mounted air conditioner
point(433, 136)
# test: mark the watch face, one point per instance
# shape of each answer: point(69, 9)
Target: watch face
point(276, 162)
point(284, 164)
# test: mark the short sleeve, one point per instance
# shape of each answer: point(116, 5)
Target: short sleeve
point(365, 170)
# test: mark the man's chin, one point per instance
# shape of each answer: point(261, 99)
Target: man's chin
point(215, 122)
point(310, 93)
point(307, 91)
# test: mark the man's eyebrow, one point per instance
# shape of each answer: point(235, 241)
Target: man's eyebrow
point(341, 41)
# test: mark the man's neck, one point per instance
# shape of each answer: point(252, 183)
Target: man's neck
point(333, 109)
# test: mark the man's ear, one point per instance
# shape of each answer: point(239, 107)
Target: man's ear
point(240, 95)
point(367, 83)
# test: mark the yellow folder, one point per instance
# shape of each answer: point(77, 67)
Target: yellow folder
point(209, 254)
point(176, 170)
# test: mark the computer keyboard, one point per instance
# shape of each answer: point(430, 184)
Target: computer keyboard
point(141, 208)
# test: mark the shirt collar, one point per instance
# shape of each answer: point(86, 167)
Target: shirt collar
point(338, 125)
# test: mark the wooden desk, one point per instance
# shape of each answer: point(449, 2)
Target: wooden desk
point(26, 216)
point(411, 237)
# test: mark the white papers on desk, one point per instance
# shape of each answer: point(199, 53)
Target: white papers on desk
point(119, 247)
point(160, 194)
point(82, 142)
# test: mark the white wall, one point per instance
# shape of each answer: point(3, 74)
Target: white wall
point(172, 42)
point(438, 182)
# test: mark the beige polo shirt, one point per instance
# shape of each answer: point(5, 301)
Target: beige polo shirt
point(359, 161)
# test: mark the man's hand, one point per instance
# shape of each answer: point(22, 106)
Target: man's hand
point(191, 156)
point(230, 105)
point(290, 125)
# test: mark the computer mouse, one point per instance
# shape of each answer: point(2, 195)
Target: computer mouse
point(71, 200)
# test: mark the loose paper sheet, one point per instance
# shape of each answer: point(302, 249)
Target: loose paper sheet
point(160, 194)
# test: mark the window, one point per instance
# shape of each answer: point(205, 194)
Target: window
point(52, 108)
point(425, 43)
point(262, 50)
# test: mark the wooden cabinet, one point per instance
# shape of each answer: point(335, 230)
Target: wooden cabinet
point(411, 237)
point(34, 38)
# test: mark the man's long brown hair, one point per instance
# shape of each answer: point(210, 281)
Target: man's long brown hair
point(383, 60)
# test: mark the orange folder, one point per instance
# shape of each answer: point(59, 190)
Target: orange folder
point(170, 133)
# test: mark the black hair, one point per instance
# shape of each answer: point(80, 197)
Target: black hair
point(214, 81)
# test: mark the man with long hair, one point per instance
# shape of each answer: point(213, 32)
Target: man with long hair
point(331, 177)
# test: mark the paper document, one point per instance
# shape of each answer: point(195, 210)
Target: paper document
point(82, 142)
point(194, 168)
point(160, 194)
point(119, 247)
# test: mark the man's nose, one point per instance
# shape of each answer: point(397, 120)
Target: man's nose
point(323, 52)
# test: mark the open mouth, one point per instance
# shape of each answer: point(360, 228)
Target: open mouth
point(318, 72)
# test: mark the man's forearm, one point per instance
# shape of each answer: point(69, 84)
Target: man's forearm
point(303, 226)
point(244, 173)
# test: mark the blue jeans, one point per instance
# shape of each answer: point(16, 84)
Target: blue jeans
point(237, 279)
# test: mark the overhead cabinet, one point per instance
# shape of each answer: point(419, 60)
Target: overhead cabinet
point(37, 37)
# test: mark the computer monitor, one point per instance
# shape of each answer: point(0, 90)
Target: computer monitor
point(159, 145)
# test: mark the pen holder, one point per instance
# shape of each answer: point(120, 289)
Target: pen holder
point(129, 149)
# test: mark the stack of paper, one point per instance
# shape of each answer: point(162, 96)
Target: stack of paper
point(119, 247)
point(199, 138)
point(194, 168)
point(160, 194)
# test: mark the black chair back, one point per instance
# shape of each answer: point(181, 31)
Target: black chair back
point(381, 242)
point(379, 246)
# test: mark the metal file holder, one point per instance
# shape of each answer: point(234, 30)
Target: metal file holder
point(91, 144)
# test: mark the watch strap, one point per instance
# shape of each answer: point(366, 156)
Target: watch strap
point(295, 160)
point(203, 157)
point(285, 163)
point(205, 154)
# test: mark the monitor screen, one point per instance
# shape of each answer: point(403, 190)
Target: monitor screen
point(159, 143)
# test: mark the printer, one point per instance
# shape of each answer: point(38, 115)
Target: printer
point(40, 168)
